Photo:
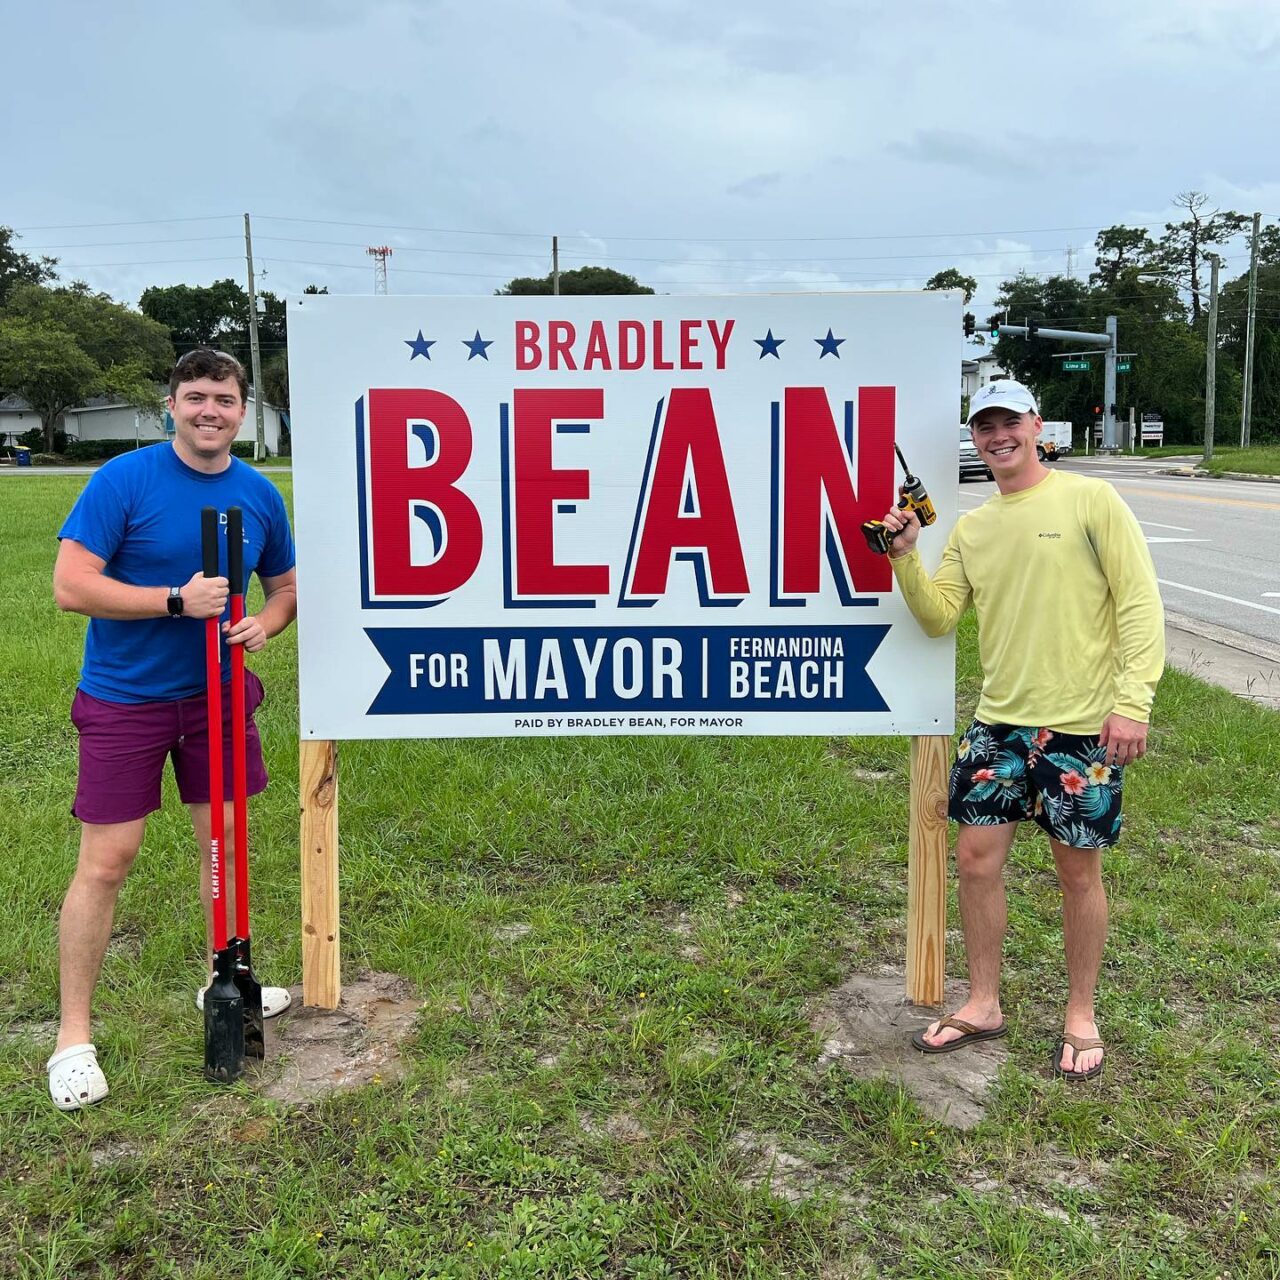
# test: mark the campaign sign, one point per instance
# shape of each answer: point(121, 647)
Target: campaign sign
point(604, 515)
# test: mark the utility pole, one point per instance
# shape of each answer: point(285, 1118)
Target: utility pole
point(260, 440)
point(1071, 258)
point(1109, 433)
point(1211, 356)
point(555, 265)
point(1246, 412)
point(1106, 341)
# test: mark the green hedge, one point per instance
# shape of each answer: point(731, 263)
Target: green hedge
point(92, 450)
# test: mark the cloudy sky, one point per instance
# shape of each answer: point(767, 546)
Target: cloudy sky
point(704, 146)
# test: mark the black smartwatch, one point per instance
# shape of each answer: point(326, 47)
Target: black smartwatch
point(175, 602)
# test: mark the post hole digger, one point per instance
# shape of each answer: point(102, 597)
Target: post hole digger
point(233, 1002)
point(246, 983)
point(223, 1003)
point(913, 497)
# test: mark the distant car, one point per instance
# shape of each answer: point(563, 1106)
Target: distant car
point(971, 465)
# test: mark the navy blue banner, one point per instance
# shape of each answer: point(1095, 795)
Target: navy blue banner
point(467, 670)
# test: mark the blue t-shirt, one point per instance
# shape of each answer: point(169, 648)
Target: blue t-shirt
point(141, 513)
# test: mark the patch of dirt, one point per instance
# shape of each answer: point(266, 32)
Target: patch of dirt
point(15, 1031)
point(622, 1126)
point(512, 932)
point(111, 1153)
point(872, 775)
point(783, 1173)
point(733, 898)
point(868, 1025)
point(314, 1052)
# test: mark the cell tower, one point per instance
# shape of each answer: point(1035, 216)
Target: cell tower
point(379, 253)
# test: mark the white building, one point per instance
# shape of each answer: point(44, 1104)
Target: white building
point(105, 419)
point(976, 374)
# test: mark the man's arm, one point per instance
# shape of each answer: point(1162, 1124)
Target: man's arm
point(1126, 562)
point(936, 603)
point(80, 586)
point(279, 609)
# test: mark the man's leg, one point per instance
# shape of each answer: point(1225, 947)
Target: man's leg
point(107, 852)
point(980, 857)
point(1084, 933)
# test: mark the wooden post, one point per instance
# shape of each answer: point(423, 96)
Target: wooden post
point(318, 800)
point(927, 870)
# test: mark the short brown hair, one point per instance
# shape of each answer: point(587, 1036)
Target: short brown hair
point(205, 362)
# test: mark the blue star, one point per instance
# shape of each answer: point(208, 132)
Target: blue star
point(478, 346)
point(421, 346)
point(829, 344)
point(769, 345)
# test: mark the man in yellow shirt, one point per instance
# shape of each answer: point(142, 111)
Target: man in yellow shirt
point(1071, 641)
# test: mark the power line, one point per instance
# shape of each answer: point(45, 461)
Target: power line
point(143, 222)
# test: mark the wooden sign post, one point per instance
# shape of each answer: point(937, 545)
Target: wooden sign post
point(926, 872)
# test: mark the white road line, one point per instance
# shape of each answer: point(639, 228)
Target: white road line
point(1179, 540)
point(1155, 524)
point(1200, 591)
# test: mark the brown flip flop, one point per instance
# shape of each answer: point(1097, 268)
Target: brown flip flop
point(971, 1035)
point(1079, 1044)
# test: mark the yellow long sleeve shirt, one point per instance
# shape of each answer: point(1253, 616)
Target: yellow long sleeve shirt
point(1070, 623)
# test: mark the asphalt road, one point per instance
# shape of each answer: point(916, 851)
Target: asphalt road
point(1215, 543)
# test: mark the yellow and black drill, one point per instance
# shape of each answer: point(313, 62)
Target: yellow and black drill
point(912, 498)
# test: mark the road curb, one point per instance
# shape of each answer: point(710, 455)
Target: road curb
point(1252, 645)
point(1198, 473)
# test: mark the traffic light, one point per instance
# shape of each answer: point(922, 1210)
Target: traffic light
point(995, 329)
point(1097, 411)
point(968, 324)
point(1033, 327)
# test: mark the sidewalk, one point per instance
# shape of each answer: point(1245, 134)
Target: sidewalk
point(1248, 667)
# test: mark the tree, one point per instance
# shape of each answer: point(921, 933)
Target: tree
point(198, 315)
point(1183, 245)
point(17, 268)
point(581, 280)
point(952, 278)
point(58, 347)
point(1121, 251)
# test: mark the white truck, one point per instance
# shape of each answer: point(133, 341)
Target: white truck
point(1055, 440)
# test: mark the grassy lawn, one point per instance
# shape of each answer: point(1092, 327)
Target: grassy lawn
point(1258, 460)
point(577, 1092)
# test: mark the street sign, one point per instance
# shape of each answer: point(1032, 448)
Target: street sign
point(1123, 366)
point(1077, 366)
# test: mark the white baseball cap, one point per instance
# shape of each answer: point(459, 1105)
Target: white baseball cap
point(1003, 394)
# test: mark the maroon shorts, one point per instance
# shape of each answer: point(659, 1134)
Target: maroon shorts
point(123, 746)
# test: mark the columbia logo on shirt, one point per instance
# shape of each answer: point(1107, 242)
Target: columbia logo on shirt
point(1048, 535)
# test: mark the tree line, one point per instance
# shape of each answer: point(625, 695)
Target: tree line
point(1158, 290)
point(61, 344)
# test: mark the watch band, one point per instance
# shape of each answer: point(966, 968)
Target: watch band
point(174, 602)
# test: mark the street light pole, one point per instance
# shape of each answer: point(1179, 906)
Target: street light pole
point(1211, 356)
point(1246, 408)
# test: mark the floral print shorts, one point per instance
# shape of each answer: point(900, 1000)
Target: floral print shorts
point(1005, 773)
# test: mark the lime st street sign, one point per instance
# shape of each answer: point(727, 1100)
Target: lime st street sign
point(1079, 366)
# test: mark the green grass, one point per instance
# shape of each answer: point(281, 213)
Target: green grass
point(1261, 460)
point(1258, 460)
point(783, 861)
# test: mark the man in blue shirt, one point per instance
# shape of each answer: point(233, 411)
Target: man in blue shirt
point(130, 558)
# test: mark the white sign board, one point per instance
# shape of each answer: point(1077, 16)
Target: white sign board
point(634, 514)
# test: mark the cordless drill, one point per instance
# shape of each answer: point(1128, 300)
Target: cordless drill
point(913, 498)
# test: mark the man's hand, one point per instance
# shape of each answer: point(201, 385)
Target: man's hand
point(205, 597)
point(1125, 740)
point(248, 632)
point(908, 523)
